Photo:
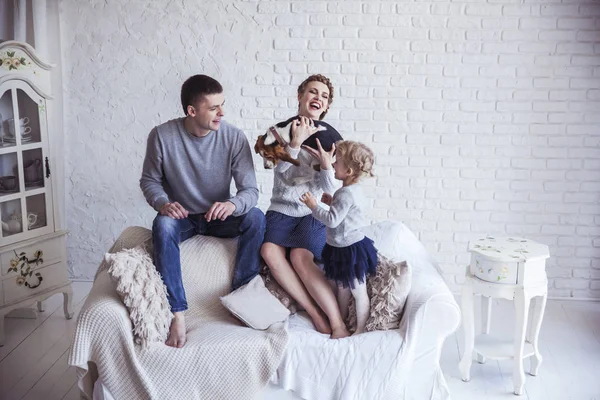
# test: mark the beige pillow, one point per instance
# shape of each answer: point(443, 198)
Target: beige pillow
point(255, 306)
point(141, 288)
point(276, 290)
point(388, 290)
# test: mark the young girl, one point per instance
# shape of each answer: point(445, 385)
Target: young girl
point(349, 256)
point(293, 238)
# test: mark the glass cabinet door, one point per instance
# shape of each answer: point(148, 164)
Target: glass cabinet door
point(25, 194)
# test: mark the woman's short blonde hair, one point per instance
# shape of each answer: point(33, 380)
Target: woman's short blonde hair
point(319, 78)
point(357, 156)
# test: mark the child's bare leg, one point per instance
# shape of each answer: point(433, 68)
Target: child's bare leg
point(333, 285)
point(274, 256)
point(319, 289)
point(343, 298)
point(361, 298)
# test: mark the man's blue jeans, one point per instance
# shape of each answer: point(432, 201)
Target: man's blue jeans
point(167, 233)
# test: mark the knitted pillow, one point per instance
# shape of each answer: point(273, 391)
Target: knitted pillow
point(141, 288)
point(388, 290)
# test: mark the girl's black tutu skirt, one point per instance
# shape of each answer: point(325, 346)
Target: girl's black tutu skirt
point(347, 264)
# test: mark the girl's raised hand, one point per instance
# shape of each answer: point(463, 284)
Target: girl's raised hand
point(325, 157)
point(326, 199)
point(308, 199)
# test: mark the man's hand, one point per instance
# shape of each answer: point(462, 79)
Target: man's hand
point(308, 199)
point(325, 157)
point(173, 210)
point(302, 129)
point(326, 199)
point(220, 210)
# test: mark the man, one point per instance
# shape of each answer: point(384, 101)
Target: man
point(186, 178)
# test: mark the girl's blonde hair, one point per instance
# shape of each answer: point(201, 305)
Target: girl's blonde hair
point(356, 156)
point(318, 78)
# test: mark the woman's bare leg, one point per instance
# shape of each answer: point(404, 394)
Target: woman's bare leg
point(274, 256)
point(320, 290)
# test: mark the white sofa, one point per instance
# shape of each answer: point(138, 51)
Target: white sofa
point(395, 364)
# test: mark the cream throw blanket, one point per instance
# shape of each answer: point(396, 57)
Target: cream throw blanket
point(222, 359)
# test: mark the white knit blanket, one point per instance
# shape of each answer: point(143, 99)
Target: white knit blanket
point(222, 358)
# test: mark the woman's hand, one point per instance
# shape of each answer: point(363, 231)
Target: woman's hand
point(308, 199)
point(302, 129)
point(325, 157)
point(326, 199)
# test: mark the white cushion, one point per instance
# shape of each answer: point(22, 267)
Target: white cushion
point(390, 237)
point(255, 306)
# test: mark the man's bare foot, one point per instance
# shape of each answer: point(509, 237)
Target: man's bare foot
point(358, 332)
point(177, 331)
point(340, 332)
point(321, 323)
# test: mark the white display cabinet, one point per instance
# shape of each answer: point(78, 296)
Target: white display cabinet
point(33, 263)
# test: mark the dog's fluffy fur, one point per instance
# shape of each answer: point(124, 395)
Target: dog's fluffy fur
point(273, 152)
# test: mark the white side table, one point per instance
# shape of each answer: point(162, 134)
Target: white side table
point(513, 269)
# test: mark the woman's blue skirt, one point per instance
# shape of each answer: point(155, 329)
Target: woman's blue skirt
point(295, 232)
point(347, 264)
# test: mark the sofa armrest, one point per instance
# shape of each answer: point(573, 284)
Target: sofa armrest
point(430, 300)
point(103, 311)
point(431, 316)
point(131, 237)
point(431, 312)
point(435, 311)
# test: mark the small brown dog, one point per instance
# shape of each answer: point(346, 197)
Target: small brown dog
point(271, 145)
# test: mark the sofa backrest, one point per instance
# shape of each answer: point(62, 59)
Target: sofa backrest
point(207, 262)
point(394, 240)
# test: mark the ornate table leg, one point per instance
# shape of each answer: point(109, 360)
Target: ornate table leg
point(486, 320)
point(469, 331)
point(68, 302)
point(533, 331)
point(521, 313)
point(2, 337)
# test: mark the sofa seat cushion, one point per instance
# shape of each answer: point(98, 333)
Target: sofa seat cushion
point(373, 365)
point(222, 359)
point(357, 367)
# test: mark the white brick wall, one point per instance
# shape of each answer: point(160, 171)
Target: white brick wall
point(485, 116)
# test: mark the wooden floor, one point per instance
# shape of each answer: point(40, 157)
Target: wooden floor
point(569, 343)
point(33, 361)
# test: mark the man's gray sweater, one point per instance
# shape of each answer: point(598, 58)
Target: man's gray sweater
point(197, 171)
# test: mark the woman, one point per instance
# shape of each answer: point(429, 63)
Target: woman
point(291, 228)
